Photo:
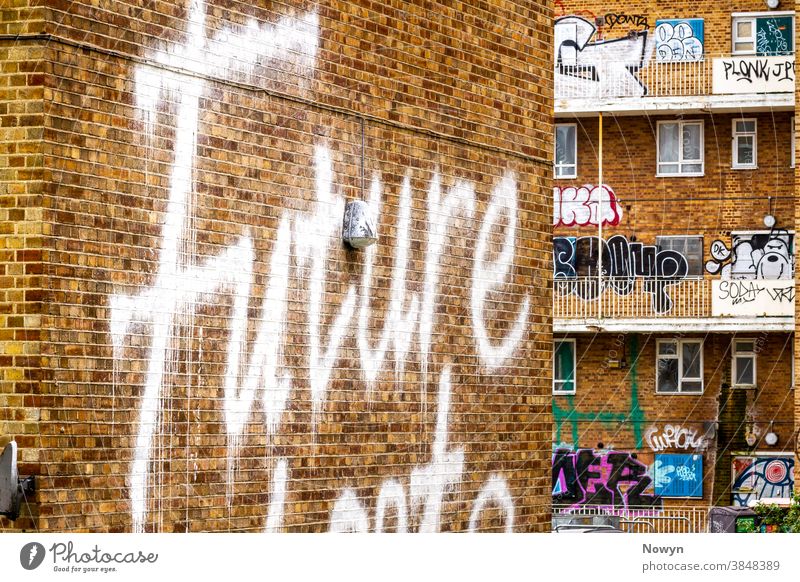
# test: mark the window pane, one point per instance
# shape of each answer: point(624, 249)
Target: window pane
point(690, 352)
point(692, 168)
point(744, 151)
point(668, 168)
point(691, 141)
point(744, 29)
point(744, 47)
point(745, 126)
point(565, 144)
point(667, 348)
point(565, 367)
point(562, 171)
point(667, 375)
point(690, 247)
point(691, 386)
point(668, 142)
point(745, 371)
point(745, 346)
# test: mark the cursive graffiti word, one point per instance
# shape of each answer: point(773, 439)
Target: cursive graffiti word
point(674, 436)
point(613, 19)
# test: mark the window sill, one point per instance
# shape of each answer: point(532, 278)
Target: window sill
point(679, 393)
point(742, 387)
point(700, 175)
point(564, 393)
point(573, 177)
point(744, 167)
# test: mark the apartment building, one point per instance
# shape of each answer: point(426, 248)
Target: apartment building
point(673, 254)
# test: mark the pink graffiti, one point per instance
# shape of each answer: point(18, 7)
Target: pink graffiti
point(579, 206)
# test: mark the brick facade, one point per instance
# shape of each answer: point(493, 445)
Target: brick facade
point(209, 355)
point(614, 407)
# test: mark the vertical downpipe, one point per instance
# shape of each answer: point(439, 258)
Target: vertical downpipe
point(600, 221)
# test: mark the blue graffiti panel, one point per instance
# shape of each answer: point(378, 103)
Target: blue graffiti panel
point(679, 475)
point(680, 39)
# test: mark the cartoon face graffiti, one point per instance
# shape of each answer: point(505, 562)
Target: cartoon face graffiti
point(766, 255)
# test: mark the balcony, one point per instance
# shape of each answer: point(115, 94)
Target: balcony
point(654, 304)
point(722, 83)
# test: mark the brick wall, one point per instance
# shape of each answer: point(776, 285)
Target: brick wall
point(618, 408)
point(213, 358)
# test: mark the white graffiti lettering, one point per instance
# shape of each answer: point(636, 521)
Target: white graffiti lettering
point(674, 436)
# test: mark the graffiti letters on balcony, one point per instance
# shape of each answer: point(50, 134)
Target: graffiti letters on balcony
point(740, 292)
point(581, 206)
point(765, 255)
point(598, 68)
point(609, 479)
point(749, 70)
point(622, 262)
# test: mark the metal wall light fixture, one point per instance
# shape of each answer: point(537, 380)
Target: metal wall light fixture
point(359, 228)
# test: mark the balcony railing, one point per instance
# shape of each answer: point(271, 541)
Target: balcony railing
point(591, 298)
point(599, 78)
point(632, 520)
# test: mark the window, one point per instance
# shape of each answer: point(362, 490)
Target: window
point(793, 138)
point(743, 368)
point(564, 367)
point(690, 247)
point(566, 150)
point(679, 366)
point(680, 148)
point(745, 147)
point(763, 34)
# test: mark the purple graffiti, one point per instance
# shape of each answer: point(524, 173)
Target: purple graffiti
point(610, 479)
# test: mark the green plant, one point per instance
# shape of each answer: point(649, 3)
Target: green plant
point(786, 518)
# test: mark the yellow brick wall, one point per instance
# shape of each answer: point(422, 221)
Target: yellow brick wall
point(136, 95)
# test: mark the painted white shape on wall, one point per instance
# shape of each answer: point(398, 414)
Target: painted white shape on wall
point(431, 482)
point(494, 492)
point(400, 319)
point(312, 237)
point(349, 515)
point(460, 201)
point(392, 494)
point(177, 285)
point(277, 500)
point(488, 275)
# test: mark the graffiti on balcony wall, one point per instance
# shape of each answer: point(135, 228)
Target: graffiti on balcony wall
point(581, 206)
point(256, 370)
point(610, 479)
point(679, 40)
point(757, 477)
point(596, 68)
point(613, 19)
point(623, 263)
point(762, 255)
point(674, 437)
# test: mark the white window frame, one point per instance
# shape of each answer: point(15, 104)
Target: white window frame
point(743, 354)
point(735, 39)
point(679, 356)
point(556, 165)
point(681, 162)
point(735, 164)
point(561, 392)
point(794, 142)
point(740, 16)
